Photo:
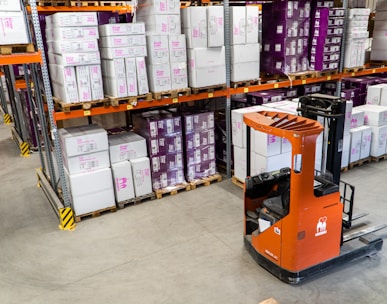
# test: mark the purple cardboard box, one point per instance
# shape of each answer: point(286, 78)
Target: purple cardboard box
point(258, 98)
point(201, 170)
point(196, 122)
point(199, 139)
point(165, 145)
point(161, 124)
point(202, 154)
point(169, 161)
point(361, 83)
point(349, 94)
point(107, 17)
point(168, 178)
point(335, 31)
point(309, 89)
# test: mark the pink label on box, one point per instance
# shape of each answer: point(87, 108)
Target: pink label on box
point(159, 73)
point(195, 33)
point(162, 7)
point(365, 119)
point(7, 22)
point(175, 44)
point(121, 183)
point(164, 28)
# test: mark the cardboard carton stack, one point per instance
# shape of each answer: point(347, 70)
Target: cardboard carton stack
point(199, 138)
point(13, 25)
point(123, 51)
point(285, 36)
point(74, 58)
point(163, 132)
point(130, 166)
point(167, 56)
point(327, 28)
point(379, 45)
point(356, 37)
point(204, 30)
point(244, 43)
point(87, 168)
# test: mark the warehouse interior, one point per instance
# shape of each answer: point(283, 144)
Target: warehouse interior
point(186, 248)
point(166, 151)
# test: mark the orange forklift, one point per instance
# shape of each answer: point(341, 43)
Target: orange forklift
point(296, 220)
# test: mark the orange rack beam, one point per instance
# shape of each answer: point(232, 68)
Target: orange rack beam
point(21, 58)
point(54, 9)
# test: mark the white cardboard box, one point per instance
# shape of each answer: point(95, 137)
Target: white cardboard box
point(238, 127)
point(156, 7)
point(82, 140)
point(161, 24)
point(215, 28)
point(64, 82)
point(159, 77)
point(123, 181)
point(348, 116)
point(383, 96)
point(366, 135)
point(63, 46)
point(10, 5)
point(378, 141)
point(75, 59)
point(131, 76)
point(96, 82)
point(179, 75)
point(141, 176)
point(119, 29)
point(91, 191)
point(252, 24)
point(86, 162)
point(113, 68)
point(123, 52)
point(122, 41)
point(206, 67)
point(374, 93)
point(266, 144)
point(357, 117)
point(177, 48)
point(114, 77)
point(142, 76)
point(158, 49)
point(72, 33)
point(13, 28)
point(238, 24)
point(115, 87)
point(272, 163)
point(240, 164)
point(245, 62)
point(72, 19)
point(194, 25)
point(83, 83)
point(126, 146)
point(354, 153)
point(374, 115)
point(346, 149)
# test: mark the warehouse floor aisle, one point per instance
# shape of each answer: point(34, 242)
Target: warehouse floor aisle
point(186, 248)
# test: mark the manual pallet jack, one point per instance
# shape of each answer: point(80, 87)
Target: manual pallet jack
point(294, 225)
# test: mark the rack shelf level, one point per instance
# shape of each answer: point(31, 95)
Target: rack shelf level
point(21, 58)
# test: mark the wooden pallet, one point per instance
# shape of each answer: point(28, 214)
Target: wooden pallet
point(353, 70)
point(345, 169)
point(360, 162)
point(112, 3)
point(94, 214)
point(53, 3)
point(378, 158)
point(130, 100)
point(172, 93)
point(136, 200)
point(209, 89)
point(87, 105)
point(206, 181)
point(83, 3)
point(173, 190)
point(329, 73)
point(378, 63)
point(303, 75)
point(238, 182)
point(247, 83)
point(16, 48)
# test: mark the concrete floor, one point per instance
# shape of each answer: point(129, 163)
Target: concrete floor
point(186, 248)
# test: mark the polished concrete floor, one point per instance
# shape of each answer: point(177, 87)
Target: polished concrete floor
point(186, 248)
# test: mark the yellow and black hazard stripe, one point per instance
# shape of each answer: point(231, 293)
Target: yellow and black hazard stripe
point(24, 149)
point(7, 119)
point(66, 217)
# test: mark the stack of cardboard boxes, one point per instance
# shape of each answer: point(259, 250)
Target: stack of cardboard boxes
point(167, 58)
point(356, 37)
point(123, 52)
point(87, 168)
point(74, 58)
point(13, 25)
point(130, 166)
point(204, 30)
point(199, 138)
